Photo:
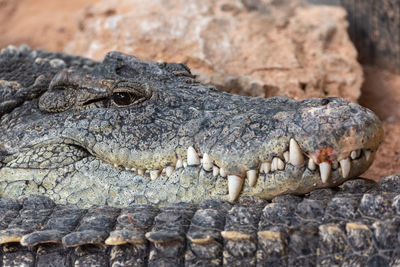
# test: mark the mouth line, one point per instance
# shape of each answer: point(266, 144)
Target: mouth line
point(293, 161)
point(294, 156)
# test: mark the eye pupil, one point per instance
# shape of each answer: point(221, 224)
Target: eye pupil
point(122, 98)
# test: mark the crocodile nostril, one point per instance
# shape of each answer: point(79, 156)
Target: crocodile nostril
point(325, 101)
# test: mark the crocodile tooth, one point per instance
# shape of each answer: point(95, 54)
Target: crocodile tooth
point(235, 184)
point(222, 173)
point(185, 164)
point(295, 154)
point(355, 154)
point(169, 170)
point(346, 165)
point(179, 164)
point(133, 169)
point(215, 171)
point(325, 171)
point(265, 167)
point(115, 166)
point(311, 164)
point(192, 157)
point(141, 171)
point(367, 153)
point(154, 174)
point(281, 164)
point(252, 175)
point(207, 162)
point(286, 156)
point(277, 164)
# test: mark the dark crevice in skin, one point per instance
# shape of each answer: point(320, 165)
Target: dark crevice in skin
point(93, 101)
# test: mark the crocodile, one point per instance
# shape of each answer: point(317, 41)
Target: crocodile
point(128, 160)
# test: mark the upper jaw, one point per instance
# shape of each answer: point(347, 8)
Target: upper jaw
point(326, 153)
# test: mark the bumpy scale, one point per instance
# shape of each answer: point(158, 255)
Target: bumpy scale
point(355, 225)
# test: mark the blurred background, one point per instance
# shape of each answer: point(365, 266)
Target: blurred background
point(294, 48)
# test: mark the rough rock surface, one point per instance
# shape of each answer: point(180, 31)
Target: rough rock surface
point(258, 48)
point(46, 24)
point(381, 93)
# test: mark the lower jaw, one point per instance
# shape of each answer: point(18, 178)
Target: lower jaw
point(300, 181)
point(92, 182)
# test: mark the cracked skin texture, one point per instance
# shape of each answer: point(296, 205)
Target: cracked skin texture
point(72, 129)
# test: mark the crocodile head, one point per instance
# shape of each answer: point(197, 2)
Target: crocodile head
point(135, 131)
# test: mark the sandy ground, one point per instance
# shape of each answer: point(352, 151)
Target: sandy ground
point(50, 24)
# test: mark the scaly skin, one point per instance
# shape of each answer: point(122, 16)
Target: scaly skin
point(355, 225)
point(83, 132)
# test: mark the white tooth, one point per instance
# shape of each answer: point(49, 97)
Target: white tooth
point(235, 184)
point(222, 172)
point(185, 164)
point(311, 164)
point(346, 166)
point(163, 171)
point(154, 174)
point(141, 171)
point(115, 166)
point(296, 156)
point(252, 175)
point(280, 164)
point(261, 169)
point(207, 162)
point(325, 171)
point(286, 156)
point(215, 171)
point(179, 164)
point(192, 157)
point(265, 167)
point(277, 164)
point(367, 153)
point(133, 169)
point(274, 165)
point(355, 154)
point(169, 170)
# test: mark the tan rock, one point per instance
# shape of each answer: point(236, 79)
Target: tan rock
point(259, 48)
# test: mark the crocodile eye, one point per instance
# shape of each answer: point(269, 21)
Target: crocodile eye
point(123, 98)
point(130, 93)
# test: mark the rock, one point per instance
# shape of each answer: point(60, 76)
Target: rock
point(250, 47)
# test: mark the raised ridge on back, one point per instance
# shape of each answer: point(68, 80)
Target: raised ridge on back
point(355, 225)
